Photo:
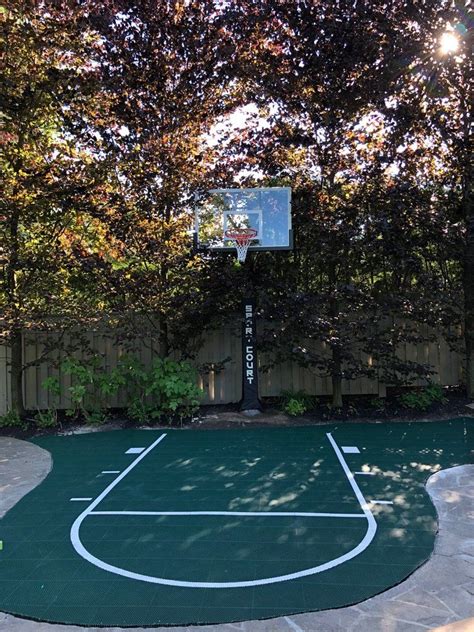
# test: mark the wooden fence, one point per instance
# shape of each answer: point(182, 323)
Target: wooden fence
point(221, 387)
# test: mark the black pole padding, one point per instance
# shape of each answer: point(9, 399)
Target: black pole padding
point(250, 401)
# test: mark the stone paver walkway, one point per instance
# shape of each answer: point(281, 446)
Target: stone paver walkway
point(437, 594)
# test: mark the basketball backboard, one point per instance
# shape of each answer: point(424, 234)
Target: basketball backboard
point(267, 210)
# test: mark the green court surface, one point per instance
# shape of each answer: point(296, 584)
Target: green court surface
point(149, 527)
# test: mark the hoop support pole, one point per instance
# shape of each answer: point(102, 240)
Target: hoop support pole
point(250, 401)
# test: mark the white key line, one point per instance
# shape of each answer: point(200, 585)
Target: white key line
point(359, 495)
point(381, 502)
point(75, 527)
point(110, 472)
point(301, 514)
point(366, 473)
point(80, 499)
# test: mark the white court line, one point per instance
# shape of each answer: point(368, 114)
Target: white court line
point(110, 472)
point(256, 514)
point(350, 449)
point(117, 480)
point(366, 473)
point(80, 499)
point(134, 450)
point(363, 544)
point(382, 502)
point(350, 477)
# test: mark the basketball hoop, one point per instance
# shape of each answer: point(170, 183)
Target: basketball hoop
point(241, 238)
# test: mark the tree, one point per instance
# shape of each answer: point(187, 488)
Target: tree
point(367, 247)
point(105, 148)
point(165, 75)
point(49, 178)
point(432, 105)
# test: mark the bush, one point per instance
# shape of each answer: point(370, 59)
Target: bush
point(46, 418)
point(294, 407)
point(12, 419)
point(424, 398)
point(88, 392)
point(296, 403)
point(379, 404)
point(91, 388)
point(168, 388)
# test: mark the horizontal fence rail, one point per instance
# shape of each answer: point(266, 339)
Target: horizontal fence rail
point(222, 383)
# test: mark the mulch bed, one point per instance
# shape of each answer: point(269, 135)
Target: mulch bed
point(355, 409)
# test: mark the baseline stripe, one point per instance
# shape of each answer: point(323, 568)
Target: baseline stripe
point(256, 514)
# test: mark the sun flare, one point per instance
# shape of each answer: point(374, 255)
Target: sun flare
point(449, 43)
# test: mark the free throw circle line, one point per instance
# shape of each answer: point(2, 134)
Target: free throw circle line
point(255, 514)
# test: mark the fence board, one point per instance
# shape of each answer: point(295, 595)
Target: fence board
point(222, 386)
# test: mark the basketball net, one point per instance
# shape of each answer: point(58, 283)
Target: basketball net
point(241, 238)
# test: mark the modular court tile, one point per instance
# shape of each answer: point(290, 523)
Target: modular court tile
point(225, 525)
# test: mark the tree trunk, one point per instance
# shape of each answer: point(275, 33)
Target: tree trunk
point(164, 339)
point(16, 373)
point(16, 363)
point(336, 379)
point(468, 212)
point(336, 371)
point(469, 304)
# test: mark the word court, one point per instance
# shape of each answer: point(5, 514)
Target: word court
point(249, 336)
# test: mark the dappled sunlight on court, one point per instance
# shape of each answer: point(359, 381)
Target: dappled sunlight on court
point(400, 534)
point(378, 510)
point(401, 499)
point(196, 537)
point(285, 520)
point(424, 467)
point(251, 463)
point(249, 503)
point(277, 502)
point(277, 475)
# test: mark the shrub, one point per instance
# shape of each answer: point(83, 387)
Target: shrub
point(294, 407)
point(88, 392)
point(379, 404)
point(296, 403)
point(12, 419)
point(46, 418)
point(424, 398)
point(168, 388)
point(92, 385)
